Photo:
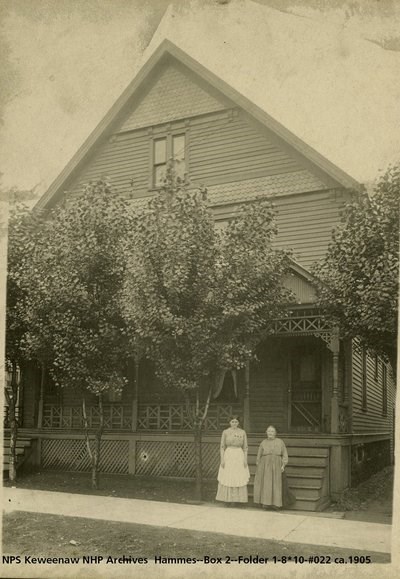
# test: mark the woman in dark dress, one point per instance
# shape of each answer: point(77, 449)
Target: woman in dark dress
point(272, 458)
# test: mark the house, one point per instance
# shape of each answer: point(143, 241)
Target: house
point(332, 403)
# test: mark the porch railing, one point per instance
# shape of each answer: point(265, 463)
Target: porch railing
point(307, 403)
point(175, 417)
point(116, 416)
point(165, 417)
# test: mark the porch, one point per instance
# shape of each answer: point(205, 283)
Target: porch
point(301, 384)
point(318, 466)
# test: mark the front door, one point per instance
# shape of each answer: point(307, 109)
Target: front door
point(305, 392)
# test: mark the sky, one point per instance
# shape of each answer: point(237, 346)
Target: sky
point(64, 63)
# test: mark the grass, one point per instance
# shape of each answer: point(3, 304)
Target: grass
point(39, 534)
point(123, 486)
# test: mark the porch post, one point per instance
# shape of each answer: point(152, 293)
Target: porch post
point(335, 383)
point(246, 400)
point(134, 380)
point(41, 396)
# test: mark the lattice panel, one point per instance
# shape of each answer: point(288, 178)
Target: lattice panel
point(59, 454)
point(211, 459)
point(159, 458)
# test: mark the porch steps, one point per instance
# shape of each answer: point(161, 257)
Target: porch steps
point(23, 451)
point(307, 474)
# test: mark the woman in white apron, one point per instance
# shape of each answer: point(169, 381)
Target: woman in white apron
point(233, 474)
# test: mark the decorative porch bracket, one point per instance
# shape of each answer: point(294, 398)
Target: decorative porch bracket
point(312, 323)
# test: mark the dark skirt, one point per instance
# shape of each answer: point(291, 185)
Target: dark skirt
point(268, 481)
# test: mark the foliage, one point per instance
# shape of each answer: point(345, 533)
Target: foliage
point(169, 282)
point(23, 228)
point(79, 271)
point(200, 301)
point(74, 277)
point(249, 275)
point(359, 276)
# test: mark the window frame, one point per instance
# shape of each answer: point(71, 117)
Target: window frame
point(168, 136)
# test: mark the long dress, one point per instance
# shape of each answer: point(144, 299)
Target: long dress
point(234, 476)
point(272, 455)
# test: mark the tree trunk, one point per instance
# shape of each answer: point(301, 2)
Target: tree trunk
point(198, 425)
point(199, 462)
point(12, 469)
point(98, 436)
point(94, 453)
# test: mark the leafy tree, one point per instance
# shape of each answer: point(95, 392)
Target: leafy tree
point(198, 302)
point(23, 227)
point(359, 276)
point(79, 270)
point(249, 292)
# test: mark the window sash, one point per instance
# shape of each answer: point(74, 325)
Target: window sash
point(170, 147)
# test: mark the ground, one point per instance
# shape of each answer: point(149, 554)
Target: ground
point(371, 501)
point(50, 535)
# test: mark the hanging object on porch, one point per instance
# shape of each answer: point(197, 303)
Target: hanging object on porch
point(226, 385)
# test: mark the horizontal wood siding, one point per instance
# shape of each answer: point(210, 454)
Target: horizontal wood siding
point(124, 160)
point(31, 386)
point(305, 222)
point(303, 291)
point(268, 388)
point(371, 419)
point(229, 147)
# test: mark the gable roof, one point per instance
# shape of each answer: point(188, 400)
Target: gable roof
point(165, 51)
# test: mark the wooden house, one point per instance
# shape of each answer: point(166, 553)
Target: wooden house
point(331, 402)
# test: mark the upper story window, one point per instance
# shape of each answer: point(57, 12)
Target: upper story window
point(172, 147)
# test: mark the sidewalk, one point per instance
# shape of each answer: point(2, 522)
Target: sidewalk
point(313, 530)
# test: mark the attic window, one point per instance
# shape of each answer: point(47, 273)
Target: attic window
point(171, 147)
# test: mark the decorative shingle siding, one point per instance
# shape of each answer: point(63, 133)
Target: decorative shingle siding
point(172, 96)
point(281, 184)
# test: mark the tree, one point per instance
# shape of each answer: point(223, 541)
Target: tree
point(249, 292)
point(200, 303)
point(79, 270)
point(23, 227)
point(359, 275)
